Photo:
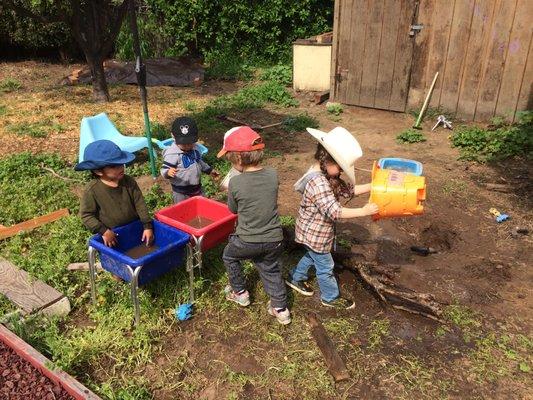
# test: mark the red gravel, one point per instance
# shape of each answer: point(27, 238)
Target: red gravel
point(20, 380)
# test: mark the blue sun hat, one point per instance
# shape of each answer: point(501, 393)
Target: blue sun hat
point(101, 153)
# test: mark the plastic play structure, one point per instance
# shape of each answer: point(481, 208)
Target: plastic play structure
point(100, 127)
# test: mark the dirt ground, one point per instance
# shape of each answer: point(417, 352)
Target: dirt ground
point(478, 264)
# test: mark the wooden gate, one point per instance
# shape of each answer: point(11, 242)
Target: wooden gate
point(372, 52)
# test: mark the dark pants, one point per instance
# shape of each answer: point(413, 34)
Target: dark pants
point(265, 258)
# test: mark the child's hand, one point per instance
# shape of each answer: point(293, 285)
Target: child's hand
point(110, 238)
point(172, 172)
point(215, 174)
point(148, 237)
point(370, 208)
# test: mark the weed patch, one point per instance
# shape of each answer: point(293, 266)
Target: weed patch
point(9, 85)
point(410, 136)
point(335, 108)
point(379, 329)
point(280, 73)
point(497, 142)
point(298, 123)
point(159, 131)
point(225, 64)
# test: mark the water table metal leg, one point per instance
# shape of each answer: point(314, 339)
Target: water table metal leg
point(190, 270)
point(92, 272)
point(134, 273)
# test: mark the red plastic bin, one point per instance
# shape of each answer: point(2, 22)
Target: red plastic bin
point(213, 234)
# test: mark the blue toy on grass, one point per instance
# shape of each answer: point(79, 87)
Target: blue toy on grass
point(100, 127)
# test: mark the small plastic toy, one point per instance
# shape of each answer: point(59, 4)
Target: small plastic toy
point(499, 216)
point(184, 311)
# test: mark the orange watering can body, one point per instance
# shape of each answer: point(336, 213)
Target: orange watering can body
point(396, 194)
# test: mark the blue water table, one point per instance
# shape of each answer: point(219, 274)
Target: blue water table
point(401, 165)
point(173, 245)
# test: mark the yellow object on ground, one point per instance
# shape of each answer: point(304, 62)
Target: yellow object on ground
point(397, 194)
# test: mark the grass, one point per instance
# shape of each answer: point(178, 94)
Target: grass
point(378, 330)
point(454, 187)
point(8, 85)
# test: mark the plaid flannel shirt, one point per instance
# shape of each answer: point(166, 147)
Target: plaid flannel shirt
point(319, 209)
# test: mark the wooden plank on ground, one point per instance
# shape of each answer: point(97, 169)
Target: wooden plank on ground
point(336, 366)
point(387, 54)
point(455, 66)
point(404, 58)
point(370, 59)
point(28, 294)
point(32, 223)
point(475, 54)
point(516, 60)
point(492, 75)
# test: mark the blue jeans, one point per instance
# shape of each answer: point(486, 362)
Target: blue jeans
point(265, 257)
point(323, 262)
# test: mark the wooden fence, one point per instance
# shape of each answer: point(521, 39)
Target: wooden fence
point(482, 50)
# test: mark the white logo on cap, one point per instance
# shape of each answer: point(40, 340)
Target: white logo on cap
point(184, 129)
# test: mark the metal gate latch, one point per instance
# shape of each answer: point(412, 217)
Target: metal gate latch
point(415, 29)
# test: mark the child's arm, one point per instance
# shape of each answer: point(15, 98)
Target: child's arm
point(366, 210)
point(168, 170)
point(361, 189)
point(232, 204)
point(207, 169)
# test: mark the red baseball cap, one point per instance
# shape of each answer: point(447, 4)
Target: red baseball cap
point(241, 138)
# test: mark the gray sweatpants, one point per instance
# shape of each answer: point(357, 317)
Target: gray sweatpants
point(265, 258)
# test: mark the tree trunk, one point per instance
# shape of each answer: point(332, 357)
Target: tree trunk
point(100, 91)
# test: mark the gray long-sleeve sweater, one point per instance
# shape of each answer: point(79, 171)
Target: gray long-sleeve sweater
point(189, 167)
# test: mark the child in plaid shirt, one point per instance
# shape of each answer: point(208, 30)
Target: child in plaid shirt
point(319, 209)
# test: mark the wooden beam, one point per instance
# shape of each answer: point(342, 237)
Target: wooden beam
point(336, 366)
point(6, 232)
point(29, 294)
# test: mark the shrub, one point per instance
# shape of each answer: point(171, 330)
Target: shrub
point(160, 131)
point(280, 73)
point(497, 142)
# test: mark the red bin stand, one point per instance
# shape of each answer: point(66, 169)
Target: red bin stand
point(179, 215)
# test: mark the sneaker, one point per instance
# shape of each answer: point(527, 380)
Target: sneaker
point(339, 303)
point(301, 287)
point(242, 299)
point(283, 317)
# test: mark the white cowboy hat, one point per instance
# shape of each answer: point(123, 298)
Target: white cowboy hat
point(342, 146)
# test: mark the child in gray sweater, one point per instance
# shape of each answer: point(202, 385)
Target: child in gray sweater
point(182, 162)
point(253, 196)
